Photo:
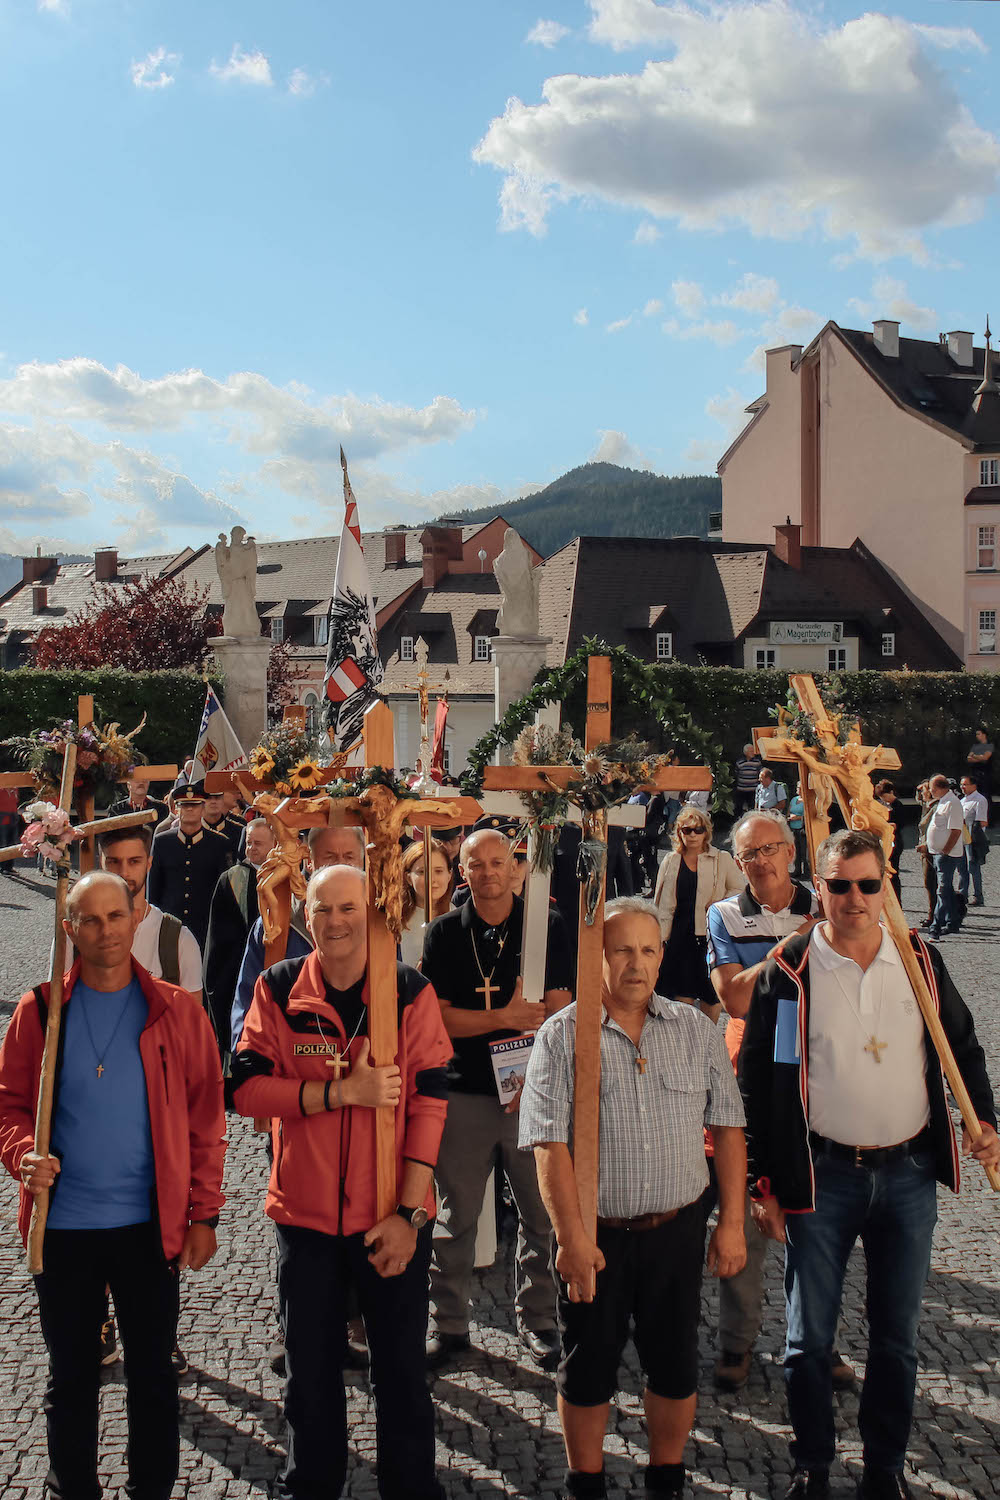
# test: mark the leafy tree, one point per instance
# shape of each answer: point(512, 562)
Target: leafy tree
point(283, 677)
point(153, 624)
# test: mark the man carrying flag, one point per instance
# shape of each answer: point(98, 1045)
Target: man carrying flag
point(353, 667)
point(217, 749)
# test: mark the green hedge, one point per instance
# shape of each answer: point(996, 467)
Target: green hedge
point(172, 702)
point(930, 718)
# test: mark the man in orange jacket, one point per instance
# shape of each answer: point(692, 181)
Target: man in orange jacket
point(307, 1015)
point(135, 1183)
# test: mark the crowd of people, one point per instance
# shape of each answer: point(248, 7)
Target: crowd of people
point(762, 1061)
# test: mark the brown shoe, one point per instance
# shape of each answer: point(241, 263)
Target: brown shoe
point(732, 1370)
point(842, 1373)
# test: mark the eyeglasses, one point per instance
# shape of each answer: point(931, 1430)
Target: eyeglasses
point(768, 850)
point(868, 887)
point(690, 828)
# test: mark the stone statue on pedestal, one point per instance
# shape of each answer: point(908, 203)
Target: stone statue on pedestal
point(518, 614)
point(236, 563)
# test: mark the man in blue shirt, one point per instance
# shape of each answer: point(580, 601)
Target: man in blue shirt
point(771, 795)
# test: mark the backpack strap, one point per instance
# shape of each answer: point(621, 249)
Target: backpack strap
point(168, 948)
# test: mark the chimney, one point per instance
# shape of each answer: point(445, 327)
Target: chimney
point(441, 545)
point(33, 568)
point(395, 546)
point(39, 598)
point(105, 564)
point(887, 337)
point(960, 348)
point(788, 544)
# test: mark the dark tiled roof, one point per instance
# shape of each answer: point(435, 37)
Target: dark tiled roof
point(927, 380)
point(460, 599)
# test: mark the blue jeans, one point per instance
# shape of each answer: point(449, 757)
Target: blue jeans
point(946, 909)
point(893, 1210)
point(973, 870)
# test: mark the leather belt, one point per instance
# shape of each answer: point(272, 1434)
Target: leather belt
point(643, 1221)
point(869, 1156)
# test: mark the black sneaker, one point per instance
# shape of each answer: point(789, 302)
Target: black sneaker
point(179, 1362)
point(276, 1356)
point(808, 1484)
point(109, 1347)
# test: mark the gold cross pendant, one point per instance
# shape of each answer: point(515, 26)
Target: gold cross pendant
point(875, 1047)
point(100, 1070)
point(339, 1064)
point(640, 1063)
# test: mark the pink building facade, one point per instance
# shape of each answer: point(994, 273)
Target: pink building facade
point(893, 441)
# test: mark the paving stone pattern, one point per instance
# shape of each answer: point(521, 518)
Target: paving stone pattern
point(497, 1428)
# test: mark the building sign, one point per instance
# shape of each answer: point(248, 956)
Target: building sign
point(806, 632)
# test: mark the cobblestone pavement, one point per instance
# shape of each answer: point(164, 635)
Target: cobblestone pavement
point(497, 1428)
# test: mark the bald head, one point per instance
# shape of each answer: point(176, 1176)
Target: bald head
point(336, 877)
point(100, 883)
point(101, 921)
point(337, 921)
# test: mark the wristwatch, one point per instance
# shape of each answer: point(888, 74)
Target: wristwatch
point(415, 1217)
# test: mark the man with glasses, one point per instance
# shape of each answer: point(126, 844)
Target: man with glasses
point(848, 1128)
point(742, 933)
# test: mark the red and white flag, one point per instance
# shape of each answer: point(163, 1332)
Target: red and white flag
point(437, 750)
point(353, 667)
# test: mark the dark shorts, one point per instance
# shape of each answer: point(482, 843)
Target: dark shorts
point(652, 1283)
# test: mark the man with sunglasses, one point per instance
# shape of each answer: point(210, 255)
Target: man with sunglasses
point(848, 1127)
point(742, 933)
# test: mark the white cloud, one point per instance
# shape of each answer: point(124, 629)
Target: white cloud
point(689, 297)
point(729, 411)
point(652, 308)
point(303, 85)
point(54, 7)
point(752, 293)
point(790, 324)
point(243, 67)
point(153, 72)
point(615, 448)
point(581, 317)
point(547, 33)
point(763, 117)
point(891, 299)
point(952, 38)
point(723, 331)
point(618, 324)
point(646, 234)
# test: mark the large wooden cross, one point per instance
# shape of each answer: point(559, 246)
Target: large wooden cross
point(590, 942)
point(846, 770)
point(297, 813)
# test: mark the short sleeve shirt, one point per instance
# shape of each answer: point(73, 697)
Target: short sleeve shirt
point(461, 953)
point(946, 817)
point(769, 796)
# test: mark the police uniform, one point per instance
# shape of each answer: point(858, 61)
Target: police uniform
point(183, 877)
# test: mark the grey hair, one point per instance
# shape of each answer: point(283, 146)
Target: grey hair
point(637, 904)
point(471, 839)
point(764, 815)
point(258, 823)
point(355, 828)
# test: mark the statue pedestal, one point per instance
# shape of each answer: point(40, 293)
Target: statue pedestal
point(516, 662)
point(243, 662)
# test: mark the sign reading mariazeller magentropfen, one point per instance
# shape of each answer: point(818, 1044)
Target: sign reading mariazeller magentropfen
point(805, 632)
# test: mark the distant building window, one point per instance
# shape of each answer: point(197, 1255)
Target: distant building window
point(664, 646)
point(987, 632)
point(278, 628)
point(482, 649)
point(406, 648)
point(836, 659)
point(986, 548)
point(313, 725)
point(889, 645)
point(989, 471)
point(446, 759)
point(765, 656)
point(321, 629)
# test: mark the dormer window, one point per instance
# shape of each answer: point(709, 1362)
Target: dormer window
point(278, 628)
point(321, 629)
point(406, 648)
point(482, 649)
point(664, 645)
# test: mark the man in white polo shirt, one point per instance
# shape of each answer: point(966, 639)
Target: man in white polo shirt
point(977, 815)
point(944, 845)
point(848, 1128)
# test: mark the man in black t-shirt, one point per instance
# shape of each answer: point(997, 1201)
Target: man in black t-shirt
point(472, 957)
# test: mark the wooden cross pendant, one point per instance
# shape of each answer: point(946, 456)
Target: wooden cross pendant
point(339, 1064)
point(488, 990)
point(640, 1063)
point(100, 1069)
point(875, 1047)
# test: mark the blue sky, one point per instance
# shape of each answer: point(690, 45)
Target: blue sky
point(478, 243)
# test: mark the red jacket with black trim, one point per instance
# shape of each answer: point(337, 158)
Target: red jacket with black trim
point(180, 1058)
point(323, 1173)
point(776, 1091)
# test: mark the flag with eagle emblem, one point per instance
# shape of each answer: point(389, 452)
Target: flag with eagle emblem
point(353, 667)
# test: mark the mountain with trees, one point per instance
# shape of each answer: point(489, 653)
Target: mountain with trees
point(601, 499)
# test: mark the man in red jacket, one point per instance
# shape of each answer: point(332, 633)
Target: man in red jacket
point(308, 1018)
point(135, 1180)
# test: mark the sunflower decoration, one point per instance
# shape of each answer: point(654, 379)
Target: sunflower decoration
point(261, 762)
point(306, 775)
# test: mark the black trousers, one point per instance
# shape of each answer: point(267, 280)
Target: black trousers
point(315, 1273)
point(79, 1264)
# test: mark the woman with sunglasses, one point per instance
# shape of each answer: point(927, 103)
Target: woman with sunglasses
point(691, 878)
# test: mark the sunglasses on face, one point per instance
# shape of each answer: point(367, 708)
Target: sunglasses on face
point(868, 887)
point(691, 828)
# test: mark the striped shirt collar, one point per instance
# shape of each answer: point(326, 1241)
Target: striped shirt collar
point(658, 1007)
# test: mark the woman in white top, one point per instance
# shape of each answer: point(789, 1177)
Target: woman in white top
point(691, 879)
point(411, 945)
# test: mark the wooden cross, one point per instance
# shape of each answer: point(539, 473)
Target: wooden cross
point(488, 989)
point(849, 774)
point(296, 813)
point(875, 1047)
point(590, 944)
point(425, 785)
point(338, 1063)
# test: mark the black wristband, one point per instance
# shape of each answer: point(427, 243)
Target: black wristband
point(302, 1107)
point(326, 1094)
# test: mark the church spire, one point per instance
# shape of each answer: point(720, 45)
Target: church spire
point(988, 386)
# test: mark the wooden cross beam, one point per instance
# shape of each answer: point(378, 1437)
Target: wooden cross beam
point(849, 772)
